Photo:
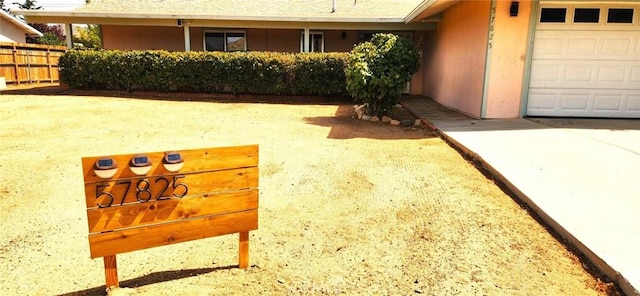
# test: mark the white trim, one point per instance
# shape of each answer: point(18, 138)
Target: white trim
point(487, 61)
point(419, 9)
point(187, 38)
point(308, 47)
point(101, 15)
point(204, 34)
point(306, 38)
point(20, 24)
point(68, 28)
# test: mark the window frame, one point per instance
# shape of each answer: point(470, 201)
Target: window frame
point(567, 15)
point(602, 24)
point(225, 32)
point(634, 17)
point(311, 33)
point(575, 9)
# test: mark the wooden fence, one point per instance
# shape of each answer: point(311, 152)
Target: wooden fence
point(29, 63)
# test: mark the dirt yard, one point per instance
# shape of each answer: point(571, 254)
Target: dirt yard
point(346, 206)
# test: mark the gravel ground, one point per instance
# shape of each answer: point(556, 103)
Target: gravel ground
point(346, 206)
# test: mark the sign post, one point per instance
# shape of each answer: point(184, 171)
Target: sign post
point(139, 201)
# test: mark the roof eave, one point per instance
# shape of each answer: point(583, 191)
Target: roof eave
point(25, 27)
point(428, 8)
point(101, 15)
point(418, 10)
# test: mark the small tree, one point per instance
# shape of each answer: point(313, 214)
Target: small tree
point(379, 70)
point(89, 37)
point(51, 35)
point(28, 5)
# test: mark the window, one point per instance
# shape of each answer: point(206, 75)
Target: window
point(316, 42)
point(620, 15)
point(225, 41)
point(553, 15)
point(586, 15)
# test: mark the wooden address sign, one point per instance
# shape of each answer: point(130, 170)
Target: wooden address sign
point(139, 201)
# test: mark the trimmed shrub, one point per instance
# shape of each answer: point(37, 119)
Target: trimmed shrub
point(318, 74)
point(236, 72)
point(379, 70)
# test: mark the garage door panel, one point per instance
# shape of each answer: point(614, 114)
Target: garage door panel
point(584, 103)
point(542, 101)
point(635, 74)
point(545, 74)
point(587, 45)
point(618, 46)
point(574, 101)
point(613, 74)
point(633, 104)
point(578, 74)
point(612, 102)
point(583, 46)
point(548, 47)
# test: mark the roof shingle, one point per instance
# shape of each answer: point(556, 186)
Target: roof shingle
point(247, 9)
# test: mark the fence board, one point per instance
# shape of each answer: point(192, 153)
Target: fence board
point(29, 63)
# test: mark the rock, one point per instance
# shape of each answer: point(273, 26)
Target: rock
point(399, 106)
point(386, 119)
point(394, 122)
point(406, 122)
point(359, 110)
point(418, 122)
point(366, 117)
point(375, 119)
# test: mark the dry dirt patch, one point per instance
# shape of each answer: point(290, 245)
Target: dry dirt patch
point(346, 206)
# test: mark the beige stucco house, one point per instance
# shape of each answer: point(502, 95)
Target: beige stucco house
point(488, 59)
point(13, 29)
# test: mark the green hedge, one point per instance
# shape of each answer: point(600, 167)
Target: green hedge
point(236, 72)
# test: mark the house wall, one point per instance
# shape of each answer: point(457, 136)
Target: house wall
point(143, 37)
point(454, 57)
point(10, 32)
point(507, 61)
point(172, 38)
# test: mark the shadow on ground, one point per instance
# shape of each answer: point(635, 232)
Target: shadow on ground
point(344, 125)
point(152, 278)
point(58, 90)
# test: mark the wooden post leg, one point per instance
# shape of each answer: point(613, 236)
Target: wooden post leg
point(244, 250)
point(111, 271)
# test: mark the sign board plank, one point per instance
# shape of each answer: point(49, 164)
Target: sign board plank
point(197, 161)
point(124, 191)
point(105, 244)
point(112, 218)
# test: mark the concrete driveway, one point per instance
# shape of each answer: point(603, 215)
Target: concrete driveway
point(582, 176)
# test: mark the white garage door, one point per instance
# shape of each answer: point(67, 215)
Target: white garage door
point(586, 61)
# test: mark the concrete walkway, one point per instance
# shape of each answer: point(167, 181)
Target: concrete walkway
point(582, 176)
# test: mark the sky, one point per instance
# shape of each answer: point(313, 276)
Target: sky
point(50, 4)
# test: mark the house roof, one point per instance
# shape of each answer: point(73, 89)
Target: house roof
point(278, 13)
point(271, 9)
point(20, 24)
